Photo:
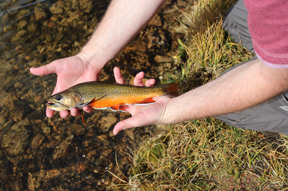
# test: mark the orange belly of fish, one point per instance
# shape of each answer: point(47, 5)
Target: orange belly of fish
point(115, 102)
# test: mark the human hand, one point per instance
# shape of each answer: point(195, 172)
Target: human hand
point(70, 71)
point(141, 114)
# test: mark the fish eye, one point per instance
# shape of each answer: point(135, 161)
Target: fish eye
point(58, 97)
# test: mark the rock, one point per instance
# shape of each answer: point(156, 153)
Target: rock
point(86, 5)
point(49, 38)
point(2, 120)
point(46, 130)
point(32, 27)
point(105, 153)
point(179, 28)
point(55, 9)
point(7, 28)
point(22, 13)
point(130, 133)
point(52, 21)
point(18, 85)
point(102, 138)
point(21, 24)
point(15, 140)
point(37, 141)
point(39, 13)
point(158, 40)
point(81, 167)
point(106, 122)
point(79, 129)
point(38, 98)
point(91, 155)
point(18, 35)
point(5, 18)
point(60, 151)
point(160, 59)
point(156, 21)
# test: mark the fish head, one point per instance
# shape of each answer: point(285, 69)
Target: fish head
point(64, 100)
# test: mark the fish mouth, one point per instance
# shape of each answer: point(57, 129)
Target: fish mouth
point(56, 106)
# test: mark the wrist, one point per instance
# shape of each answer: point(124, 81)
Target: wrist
point(168, 114)
point(95, 55)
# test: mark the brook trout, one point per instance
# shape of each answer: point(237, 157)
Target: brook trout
point(100, 95)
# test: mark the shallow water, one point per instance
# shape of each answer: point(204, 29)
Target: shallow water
point(38, 153)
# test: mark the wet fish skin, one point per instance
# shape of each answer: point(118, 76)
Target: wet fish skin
point(101, 95)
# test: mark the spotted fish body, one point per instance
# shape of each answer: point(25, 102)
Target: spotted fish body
point(100, 95)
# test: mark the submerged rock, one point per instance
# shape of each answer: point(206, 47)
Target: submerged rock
point(56, 8)
point(22, 24)
point(39, 13)
point(161, 59)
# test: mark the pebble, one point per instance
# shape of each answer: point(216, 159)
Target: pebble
point(36, 141)
point(22, 24)
point(160, 58)
point(54, 9)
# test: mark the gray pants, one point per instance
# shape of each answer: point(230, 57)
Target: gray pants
point(271, 115)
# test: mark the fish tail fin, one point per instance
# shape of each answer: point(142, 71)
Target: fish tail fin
point(170, 89)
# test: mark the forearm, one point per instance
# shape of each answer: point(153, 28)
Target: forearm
point(122, 21)
point(238, 89)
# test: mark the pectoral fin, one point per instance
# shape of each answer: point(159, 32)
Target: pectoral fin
point(83, 120)
point(94, 102)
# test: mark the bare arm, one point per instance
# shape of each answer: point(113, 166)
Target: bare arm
point(243, 87)
point(122, 21)
point(240, 88)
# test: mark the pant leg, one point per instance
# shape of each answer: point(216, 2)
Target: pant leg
point(271, 115)
point(235, 23)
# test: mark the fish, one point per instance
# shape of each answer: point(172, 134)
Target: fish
point(102, 95)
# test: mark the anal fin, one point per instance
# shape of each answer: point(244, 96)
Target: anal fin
point(118, 107)
point(115, 107)
point(147, 100)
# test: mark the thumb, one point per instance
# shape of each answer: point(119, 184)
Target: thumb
point(44, 70)
point(135, 121)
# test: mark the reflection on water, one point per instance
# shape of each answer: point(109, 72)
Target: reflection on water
point(38, 153)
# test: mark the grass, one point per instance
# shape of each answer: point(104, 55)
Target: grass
point(205, 154)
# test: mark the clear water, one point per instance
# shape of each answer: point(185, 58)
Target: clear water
point(38, 153)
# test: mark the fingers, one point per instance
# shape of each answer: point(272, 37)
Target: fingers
point(150, 82)
point(118, 76)
point(64, 113)
point(135, 121)
point(44, 70)
point(49, 112)
point(74, 112)
point(138, 80)
point(87, 109)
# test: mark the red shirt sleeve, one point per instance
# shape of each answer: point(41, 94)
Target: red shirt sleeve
point(268, 26)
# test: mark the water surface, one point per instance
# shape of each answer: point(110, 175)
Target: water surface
point(38, 153)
